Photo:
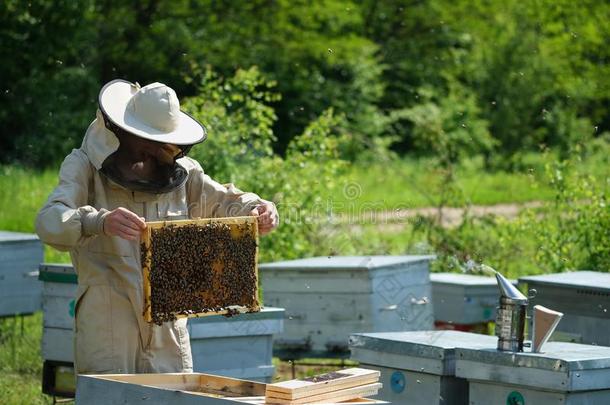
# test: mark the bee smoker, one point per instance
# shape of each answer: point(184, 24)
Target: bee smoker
point(510, 316)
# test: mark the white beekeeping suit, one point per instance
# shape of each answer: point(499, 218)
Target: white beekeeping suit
point(111, 334)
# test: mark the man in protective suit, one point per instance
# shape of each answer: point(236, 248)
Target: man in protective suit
point(131, 168)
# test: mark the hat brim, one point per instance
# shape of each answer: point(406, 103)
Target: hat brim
point(113, 100)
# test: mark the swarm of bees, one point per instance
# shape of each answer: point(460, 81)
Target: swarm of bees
point(198, 269)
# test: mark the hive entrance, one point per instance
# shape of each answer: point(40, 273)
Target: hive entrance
point(200, 267)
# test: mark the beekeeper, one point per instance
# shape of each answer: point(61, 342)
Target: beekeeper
point(131, 168)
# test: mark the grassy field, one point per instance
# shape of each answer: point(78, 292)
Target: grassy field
point(414, 183)
point(396, 184)
point(20, 361)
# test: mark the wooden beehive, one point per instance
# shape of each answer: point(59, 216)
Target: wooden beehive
point(200, 267)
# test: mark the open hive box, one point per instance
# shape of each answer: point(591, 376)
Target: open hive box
point(200, 267)
point(175, 389)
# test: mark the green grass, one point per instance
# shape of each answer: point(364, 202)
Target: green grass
point(24, 191)
point(20, 361)
point(409, 183)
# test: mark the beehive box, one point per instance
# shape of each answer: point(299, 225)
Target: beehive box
point(58, 293)
point(464, 299)
point(417, 368)
point(240, 346)
point(175, 389)
point(328, 298)
point(200, 267)
point(20, 255)
point(584, 299)
point(564, 374)
point(57, 347)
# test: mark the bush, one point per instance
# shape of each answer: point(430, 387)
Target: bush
point(568, 233)
point(61, 107)
point(239, 121)
point(574, 232)
point(238, 118)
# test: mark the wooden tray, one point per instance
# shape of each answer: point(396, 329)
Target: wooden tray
point(236, 231)
point(175, 389)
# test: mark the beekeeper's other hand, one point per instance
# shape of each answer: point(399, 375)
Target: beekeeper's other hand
point(268, 218)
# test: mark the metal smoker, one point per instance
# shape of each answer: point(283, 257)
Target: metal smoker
point(510, 316)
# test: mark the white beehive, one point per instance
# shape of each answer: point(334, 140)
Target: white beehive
point(20, 255)
point(464, 299)
point(328, 298)
point(418, 368)
point(584, 299)
point(565, 373)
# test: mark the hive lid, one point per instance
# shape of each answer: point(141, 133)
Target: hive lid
point(557, 356)
point(346, 262)
point(574, 279)
point(431, 347)
point(7, 236)
point(464, 279)
point(563, 367)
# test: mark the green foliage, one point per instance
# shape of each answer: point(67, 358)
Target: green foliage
point(238, 118)
point(60, 121)
point(238, 149)
point(49, 93)
point(448, 127)
point(312, 166)
point(532, 59)
point(575, 233)
point(521, 60)
point(568, 232)
point(523, 73)
point(490, 240)
point(315, 52)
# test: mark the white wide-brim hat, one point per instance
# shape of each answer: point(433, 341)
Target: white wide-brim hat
point(151, 112)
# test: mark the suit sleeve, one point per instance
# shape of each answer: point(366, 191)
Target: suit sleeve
point(210, 199)
point(66, 221)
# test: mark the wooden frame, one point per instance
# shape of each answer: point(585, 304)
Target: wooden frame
point(338, 386)
point(146, 238)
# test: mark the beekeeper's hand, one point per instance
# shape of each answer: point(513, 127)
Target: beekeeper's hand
point(124, 223)
point(268, 218)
